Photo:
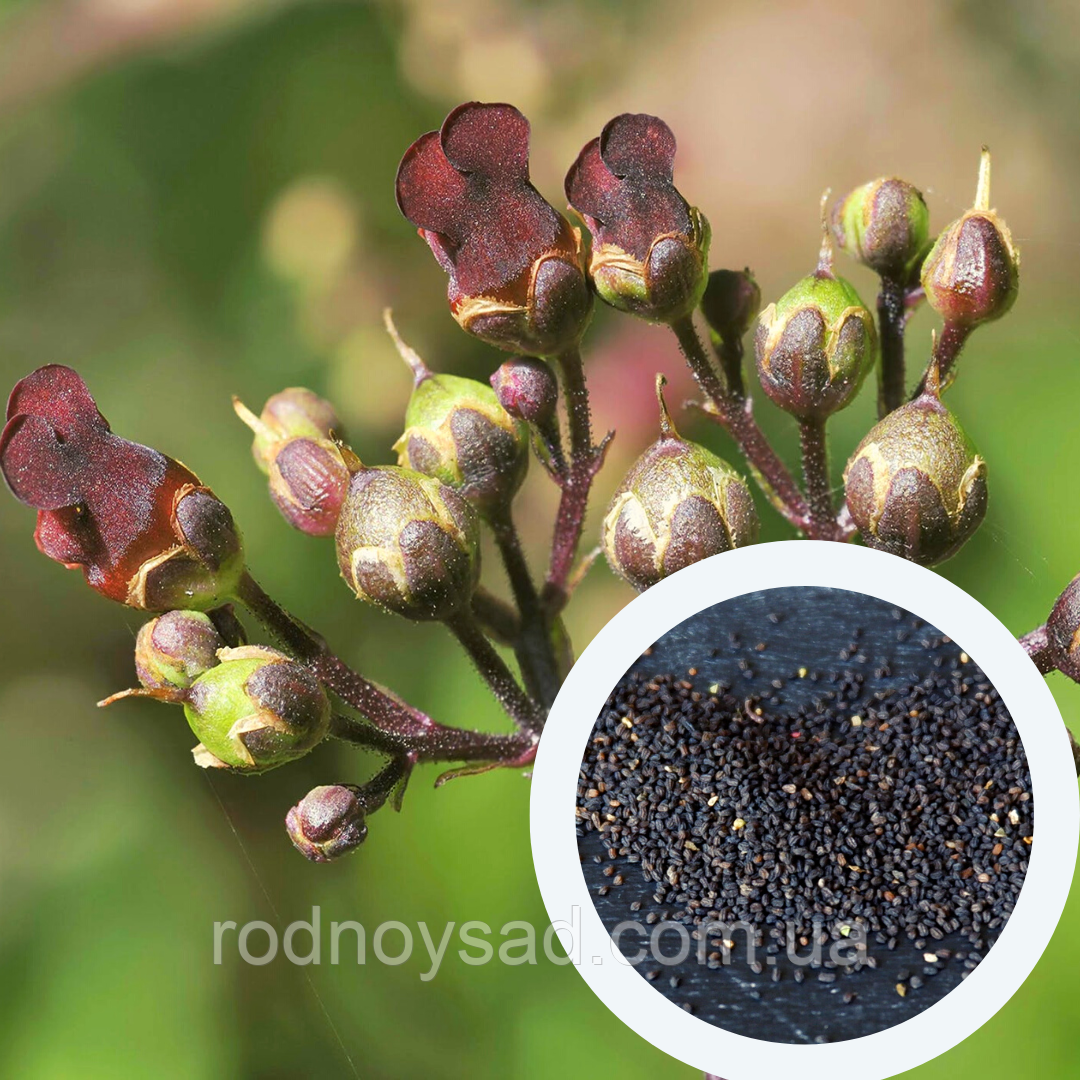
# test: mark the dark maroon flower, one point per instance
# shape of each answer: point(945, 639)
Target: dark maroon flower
point(515, 263)
point(143, 530)
point(650, 247)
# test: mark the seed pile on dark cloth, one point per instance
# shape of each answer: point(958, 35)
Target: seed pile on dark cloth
point(906, 812)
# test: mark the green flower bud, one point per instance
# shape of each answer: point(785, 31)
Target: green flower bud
point(885, 225)
point(1063, 631)
point(916, 486)
point(176, 648)
point(296, 446)
point(457, 432)
point(255, 710)
point(408, 543)
point(678, 504)
point(730, 304)
point(972, 274)
point(328, 822)
point(816, 344)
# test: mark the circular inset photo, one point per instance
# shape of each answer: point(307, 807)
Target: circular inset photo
point(787, 801)
point(805, 814)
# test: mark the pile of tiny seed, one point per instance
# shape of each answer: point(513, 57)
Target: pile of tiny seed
point(906, 811)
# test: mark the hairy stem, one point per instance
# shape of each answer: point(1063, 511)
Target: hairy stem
point(499, 620)
point(533, 648)
point(892, 317)
point(730, 353)
point(1037, 645)
point(389, 723)
point(947, 348)
point(528, 716)
point(737, 418)
point(815, 463)
point(585, 461)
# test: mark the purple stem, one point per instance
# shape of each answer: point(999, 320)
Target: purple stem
point(584, 464)
point(892, 317)
point(947, 348)
point(532, 647)
point(389, 723)
point(736, 416)
point(528, 716)
point(815, 462)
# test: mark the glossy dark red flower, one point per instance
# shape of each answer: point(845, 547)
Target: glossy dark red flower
point(515, 263)
point(650, 247)
point(138, 524)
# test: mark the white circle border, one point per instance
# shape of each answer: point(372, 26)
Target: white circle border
point(770, 566)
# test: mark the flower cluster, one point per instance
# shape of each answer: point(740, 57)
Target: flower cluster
point(407, 533)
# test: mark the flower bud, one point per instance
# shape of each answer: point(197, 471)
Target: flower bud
point(203, 567)
point(815, 345)
point(296, 446)
point(457, 432)
point(1063, 631)
point(294, 413)
point(255, 710)
point(885, 225)
point(176, 648)
point(915, 485)
point(650, 247)
point(678, 504)
point(972, 274)
point(408, 543)
point(731, 302)
point(527, 389)
point(327, 822)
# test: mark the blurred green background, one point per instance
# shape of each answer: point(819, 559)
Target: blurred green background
point(196, 199)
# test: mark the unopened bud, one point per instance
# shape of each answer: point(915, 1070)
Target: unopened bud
point(916, 486)
point(255, 710)
point(731, 302)
point(296, 445)
point(527, 389)
point(972, 274)
point(408, 543)
point(885, 225)
point(175, 649)
point(816, 344)
point(327, 822)
point(678, 504)
point(457, 432)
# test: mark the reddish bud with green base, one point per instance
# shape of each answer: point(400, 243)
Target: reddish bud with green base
point(297, 446)
point(972, 274)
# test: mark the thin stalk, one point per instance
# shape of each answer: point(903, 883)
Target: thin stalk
point(585, 461)
point(736, 417)
point(389, 723)
point(534, 650)
point(499, 620)
point(1037, 645)
point(892, 318)
point(528, 716)
point(947, 346)
point(815, 463)
point(729, 351)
